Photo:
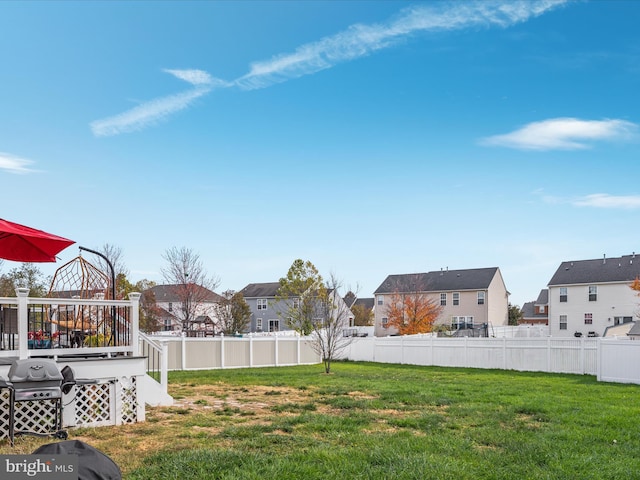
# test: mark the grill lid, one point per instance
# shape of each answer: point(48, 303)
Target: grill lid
point(34, 370)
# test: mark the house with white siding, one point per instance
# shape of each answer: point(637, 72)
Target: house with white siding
point(588, 296)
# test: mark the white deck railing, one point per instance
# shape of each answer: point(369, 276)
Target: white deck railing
point(56, 327)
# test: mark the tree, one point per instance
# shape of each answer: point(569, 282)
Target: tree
point(26, 275)
point(121, 272)
point(234, 313)
point(635, 286)
point(298, 292)
point(192, 284)
point(149, 310)
point(315, 309)
point(329, 322)
point(362, 316)
point(412, 311)
point(515, 314)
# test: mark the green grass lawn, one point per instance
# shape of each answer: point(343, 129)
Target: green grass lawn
point(376, 421)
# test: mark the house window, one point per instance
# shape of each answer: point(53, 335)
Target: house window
point(563, 322)
point(588, 318)
point(460, 323)
point(170, 309)
point(262, 304)
point(385, 322)
point(380, 300)
point(296, 303)
point(481, 298)
point(456, 298)
point(593, 293)
point(563, 294)
point(541, 309)
point(274, 325)
point(259, 324)
point(167, 325)
point(443, 299)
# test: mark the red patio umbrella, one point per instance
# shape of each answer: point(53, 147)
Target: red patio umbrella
point(25, 244)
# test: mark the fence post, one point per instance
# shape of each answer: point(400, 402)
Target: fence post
point(466, 351)
point(582, 347)
point(275, 343)
point(504, 353)
point(23, 322)
point(164, 367)
point(222, 350)
point(183, 352)
point(548, 354)
point(250, 350)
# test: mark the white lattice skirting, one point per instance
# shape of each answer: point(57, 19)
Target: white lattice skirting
point(99, 403)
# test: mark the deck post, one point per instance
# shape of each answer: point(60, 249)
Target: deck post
point(23, 322)
point(135, 322)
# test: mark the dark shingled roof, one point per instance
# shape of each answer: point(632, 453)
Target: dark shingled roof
point(367, 303)
point(543, 297)
point(601, 270)
point(528, 310)
point(439, 281)
point(171, 293)
point(260, 290)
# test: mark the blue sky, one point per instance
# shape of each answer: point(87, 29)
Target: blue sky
point(371, 138)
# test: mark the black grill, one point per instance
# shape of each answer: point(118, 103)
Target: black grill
point(33, 380)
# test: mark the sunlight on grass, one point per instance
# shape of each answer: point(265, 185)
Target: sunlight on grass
point(376, 421)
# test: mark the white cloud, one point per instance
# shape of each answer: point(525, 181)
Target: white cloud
point(12, 164)
point(197, 77)
point(604, 200)
point(563, 134)
point(146, 114)
point(156, 110)
point(361, 40)
point(354, 42)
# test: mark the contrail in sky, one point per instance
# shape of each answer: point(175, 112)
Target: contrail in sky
point(356, 41)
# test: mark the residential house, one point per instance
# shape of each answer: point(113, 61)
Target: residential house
point(205, 303)
point(469, 298)
point(268, 314)
point(536, 312)
point(367, 304)
point(587, 296)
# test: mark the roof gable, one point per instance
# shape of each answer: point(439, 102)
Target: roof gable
point(439, 281)
point(602, 270)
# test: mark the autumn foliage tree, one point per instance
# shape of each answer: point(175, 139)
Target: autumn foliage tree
point(412, 313)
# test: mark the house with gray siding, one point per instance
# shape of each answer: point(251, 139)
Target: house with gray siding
point(266, 313)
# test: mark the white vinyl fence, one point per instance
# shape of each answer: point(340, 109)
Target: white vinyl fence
point(611, 360)
point(185, 353)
